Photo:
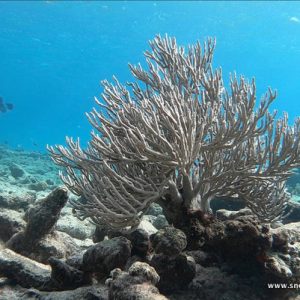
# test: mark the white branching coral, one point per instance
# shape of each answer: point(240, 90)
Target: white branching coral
point(178, 132)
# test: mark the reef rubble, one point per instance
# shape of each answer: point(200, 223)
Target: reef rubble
point(47, 253)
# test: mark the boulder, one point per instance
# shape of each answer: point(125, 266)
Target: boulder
point(41, 219)
point(138, 283)
point(140, 242)
point(106, 256)
point(147, 226)
point(74, 227)
point(283, 259)
point(169, 241)
point(90, 292)
point(160, 222)
point(65, 277)
point(154, 210)
point(26, 272)
point(224, 214)
point(175, 272)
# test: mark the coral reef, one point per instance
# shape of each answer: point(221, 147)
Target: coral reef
point(180, 195)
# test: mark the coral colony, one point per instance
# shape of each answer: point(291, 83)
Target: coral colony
point(177, 136)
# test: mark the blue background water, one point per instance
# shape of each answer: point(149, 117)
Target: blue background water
point(54, 54)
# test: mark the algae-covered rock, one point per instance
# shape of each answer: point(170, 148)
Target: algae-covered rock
point(283, 259)
point(140, 242)
point(106, 256)
point(169, 241)
point(175, 272)
point(26, 272)
point(41, 219)
point(154, 210)
point(90, 292)
point(65, 277)
point(145, 271)
point(138, 283)
point(160, 222)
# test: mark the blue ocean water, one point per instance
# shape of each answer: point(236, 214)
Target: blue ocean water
point(53, 55)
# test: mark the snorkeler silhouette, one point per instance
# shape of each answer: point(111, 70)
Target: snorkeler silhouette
point(4, 107)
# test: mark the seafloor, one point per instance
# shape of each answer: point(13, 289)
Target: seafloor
point(67, 260)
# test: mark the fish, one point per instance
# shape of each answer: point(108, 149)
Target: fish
point(4, 107)
point(9, 106)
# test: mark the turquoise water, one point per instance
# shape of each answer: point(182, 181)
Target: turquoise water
point(53, 55)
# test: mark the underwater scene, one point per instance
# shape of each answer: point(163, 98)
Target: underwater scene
point(150, 150)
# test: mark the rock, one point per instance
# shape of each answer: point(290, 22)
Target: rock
point(242, 238)
point(16, 171)
point(26, 272)
point(17, 201)
point(75, 261)
point(293, 210)
point(224, 214)
point(144, 291)
point(92, 292)
point(175, 272)
point(283, 259)
point(213, 284)
point(10, 291)
point(138, 283)
point(145, 271)
point(281, 268)
point(147, 226)
point(135, 258)
point(99, 234)
point(160, 222)
point(149, 218)
point(203, 258)
point(50, 182)
point(82, 244)
point(45, 213)
point(11, 222)
point(228, 203)
point(154, 210)
point(38, 186)
point(106, 256)
point(65, 277)
point(140, 242)
point(169, 241)
point(74, 227)
point(57, 244)
point(40, 221)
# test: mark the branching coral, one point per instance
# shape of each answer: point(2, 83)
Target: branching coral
point(178, 135)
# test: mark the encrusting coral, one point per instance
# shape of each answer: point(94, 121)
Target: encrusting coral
point(177, 136)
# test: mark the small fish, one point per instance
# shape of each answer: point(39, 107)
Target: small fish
point(9, 106)
point(4, 107)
